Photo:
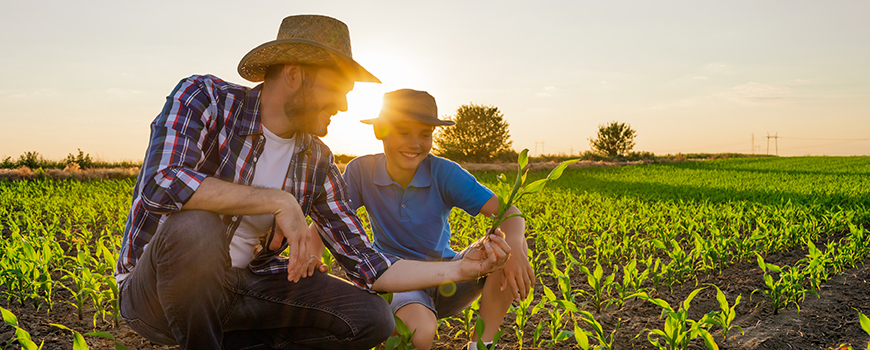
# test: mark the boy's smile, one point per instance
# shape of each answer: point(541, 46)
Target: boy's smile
point(406, 144)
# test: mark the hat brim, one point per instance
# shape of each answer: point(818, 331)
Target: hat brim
point(253, 66)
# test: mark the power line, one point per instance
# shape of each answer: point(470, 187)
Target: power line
point(808, 138)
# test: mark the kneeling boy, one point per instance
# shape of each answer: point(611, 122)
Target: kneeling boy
point(408, 195)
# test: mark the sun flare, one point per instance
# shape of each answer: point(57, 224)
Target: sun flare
point(346, 134)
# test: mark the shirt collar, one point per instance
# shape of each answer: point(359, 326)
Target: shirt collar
point(251, 123)
point(422, 178)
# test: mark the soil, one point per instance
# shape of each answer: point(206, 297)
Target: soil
point(823, 322)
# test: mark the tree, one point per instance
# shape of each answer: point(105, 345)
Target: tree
point(480, 135)
point(614, 139)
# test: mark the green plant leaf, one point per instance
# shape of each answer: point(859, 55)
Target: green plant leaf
point(392, 342)
point(9, 317)
point(708, 340)
point(865, 323)
point(564, 335)
point(535, 187)
point(581, 337)
point(557, 172)
point(523, 159)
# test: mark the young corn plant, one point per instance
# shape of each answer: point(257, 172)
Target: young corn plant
point(22, 337)
point(632, 281)
point(519, 189)
point(601, 287)
point(522, 313)
point(725, 317)
point(467, 320)
point(479, 328)
point(818, 264)
point(402, 341)
point(604, 341)
point(865, 325)
point(679, 330)
point(559, 308)
point(784, 291)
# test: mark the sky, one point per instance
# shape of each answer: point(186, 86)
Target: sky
point(688, 76)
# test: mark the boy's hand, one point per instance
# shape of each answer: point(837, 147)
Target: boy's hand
point(518, 274)
point(487, 255)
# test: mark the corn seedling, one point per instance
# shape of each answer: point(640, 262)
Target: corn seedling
point(632, 280)
point(725, 317)
point(479, 328)
point(559, 308)
point(604, 341)
point(679, 330)
point(601, 287)
point(22, 337)
point(519, 190)
point(402, 341)
point(522, 313)
point(784, 291)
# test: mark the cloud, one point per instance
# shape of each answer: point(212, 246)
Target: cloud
point(685, 103)
point(548, 91)
point(758, 93)
point(719, 68)
point(699, 78)
point(122, 94)
point(42, 93)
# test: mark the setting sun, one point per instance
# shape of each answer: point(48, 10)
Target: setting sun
point(346, 134)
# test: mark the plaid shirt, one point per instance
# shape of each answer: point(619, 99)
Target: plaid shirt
point(209, 127)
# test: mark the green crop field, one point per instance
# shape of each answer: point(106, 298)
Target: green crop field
point(608, 245)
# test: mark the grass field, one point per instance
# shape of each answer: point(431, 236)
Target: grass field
point(612, 247)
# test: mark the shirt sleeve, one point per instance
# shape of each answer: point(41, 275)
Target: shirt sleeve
point(168, 178)
point(352, 179)
point(343, 233)
point(461, 188)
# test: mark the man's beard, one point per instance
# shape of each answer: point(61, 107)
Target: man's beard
point(302, 115)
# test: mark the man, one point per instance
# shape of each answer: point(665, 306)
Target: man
point(228, 178)
point(409, 194)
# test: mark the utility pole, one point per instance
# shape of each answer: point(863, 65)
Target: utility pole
point(753, 143)
point(536, 147)
point(775, 138)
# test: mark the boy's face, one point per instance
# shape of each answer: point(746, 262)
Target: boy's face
point(406, 143)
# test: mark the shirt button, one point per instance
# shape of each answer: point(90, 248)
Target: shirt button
point(403, 206)
point(255, 159)
point(235, 218)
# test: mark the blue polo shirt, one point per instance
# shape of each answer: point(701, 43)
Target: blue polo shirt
point(412, 222)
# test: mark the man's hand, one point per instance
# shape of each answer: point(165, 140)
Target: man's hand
point(317, 248)
point(290, 224)
point(487, 255)
point(518, 274)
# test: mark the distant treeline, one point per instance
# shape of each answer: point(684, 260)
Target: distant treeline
point(82, 160)
point(639, 157)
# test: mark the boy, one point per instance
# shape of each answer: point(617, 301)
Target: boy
point(408, 195)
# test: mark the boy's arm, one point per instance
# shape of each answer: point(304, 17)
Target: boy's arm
point(488, 255)
point(518, 273)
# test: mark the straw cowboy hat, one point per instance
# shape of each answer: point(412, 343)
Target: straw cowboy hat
point(306, 39)
point(412, 105)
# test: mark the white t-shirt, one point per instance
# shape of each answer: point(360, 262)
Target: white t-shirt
point(270, 171)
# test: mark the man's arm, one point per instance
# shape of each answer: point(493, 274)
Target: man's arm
point(227, 198)
point(518, 273)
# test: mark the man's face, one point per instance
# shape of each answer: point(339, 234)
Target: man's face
point(406, 143)
point(321, 97)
